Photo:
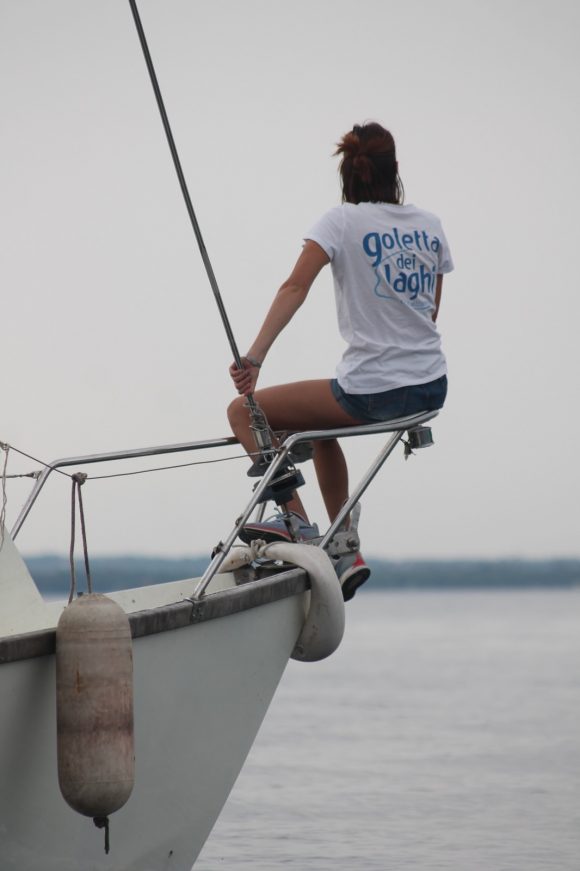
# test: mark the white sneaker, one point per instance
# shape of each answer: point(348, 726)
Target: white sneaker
point(352, 573)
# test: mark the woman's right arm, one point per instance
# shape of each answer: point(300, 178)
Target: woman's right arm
point(286, 303)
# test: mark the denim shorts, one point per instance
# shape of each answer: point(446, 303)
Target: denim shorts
point(400, 402)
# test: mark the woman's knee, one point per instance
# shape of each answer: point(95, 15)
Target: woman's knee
point(238, 413)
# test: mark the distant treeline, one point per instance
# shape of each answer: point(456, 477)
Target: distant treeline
point(52, 573)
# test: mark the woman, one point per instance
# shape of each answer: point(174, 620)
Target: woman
point(387, 261)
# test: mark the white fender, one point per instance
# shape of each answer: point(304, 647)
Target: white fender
point(324, 624)
point(94, 710)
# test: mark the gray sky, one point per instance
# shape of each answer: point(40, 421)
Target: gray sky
point(110, 337)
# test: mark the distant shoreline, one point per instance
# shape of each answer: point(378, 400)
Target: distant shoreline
point(52, 572)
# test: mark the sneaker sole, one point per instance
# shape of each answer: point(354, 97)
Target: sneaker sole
point(354, 581)
point(249, 535)
point(252, 533)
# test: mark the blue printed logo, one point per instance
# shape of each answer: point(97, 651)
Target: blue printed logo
point(405, 265)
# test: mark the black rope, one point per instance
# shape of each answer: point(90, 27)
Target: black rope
point(260, 428)
point(183, 184)
point(3, 496)
point(71, 553)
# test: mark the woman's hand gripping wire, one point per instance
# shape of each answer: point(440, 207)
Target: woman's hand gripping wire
point(245, 379)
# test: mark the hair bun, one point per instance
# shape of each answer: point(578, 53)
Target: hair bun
point(368, 167)
point(362, 166)
point(350, 145)
point(355, 150)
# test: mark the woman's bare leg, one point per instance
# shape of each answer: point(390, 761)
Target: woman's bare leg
point(332, 475)
point(300, 406)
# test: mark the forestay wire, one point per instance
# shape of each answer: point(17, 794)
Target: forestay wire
point(260, 426)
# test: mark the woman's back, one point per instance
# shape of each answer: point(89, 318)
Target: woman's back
point(385, 260)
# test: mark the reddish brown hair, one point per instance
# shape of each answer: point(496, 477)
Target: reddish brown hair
point(368, 168)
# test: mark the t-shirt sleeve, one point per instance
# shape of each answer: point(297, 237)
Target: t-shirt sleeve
point(445, 260)
point(328, 232)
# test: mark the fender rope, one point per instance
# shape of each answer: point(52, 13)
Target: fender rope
point(4, 500)
point(77, 481)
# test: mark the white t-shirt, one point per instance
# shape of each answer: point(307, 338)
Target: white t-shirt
point(385, 260)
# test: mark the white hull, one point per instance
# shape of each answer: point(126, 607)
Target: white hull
point(200, 694)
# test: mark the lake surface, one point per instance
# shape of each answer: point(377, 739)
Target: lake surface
point(443, 734)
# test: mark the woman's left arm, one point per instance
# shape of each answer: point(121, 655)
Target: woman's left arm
point(438, 290)
point(286, 303)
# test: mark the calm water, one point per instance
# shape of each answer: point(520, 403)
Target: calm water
point(444, 734)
